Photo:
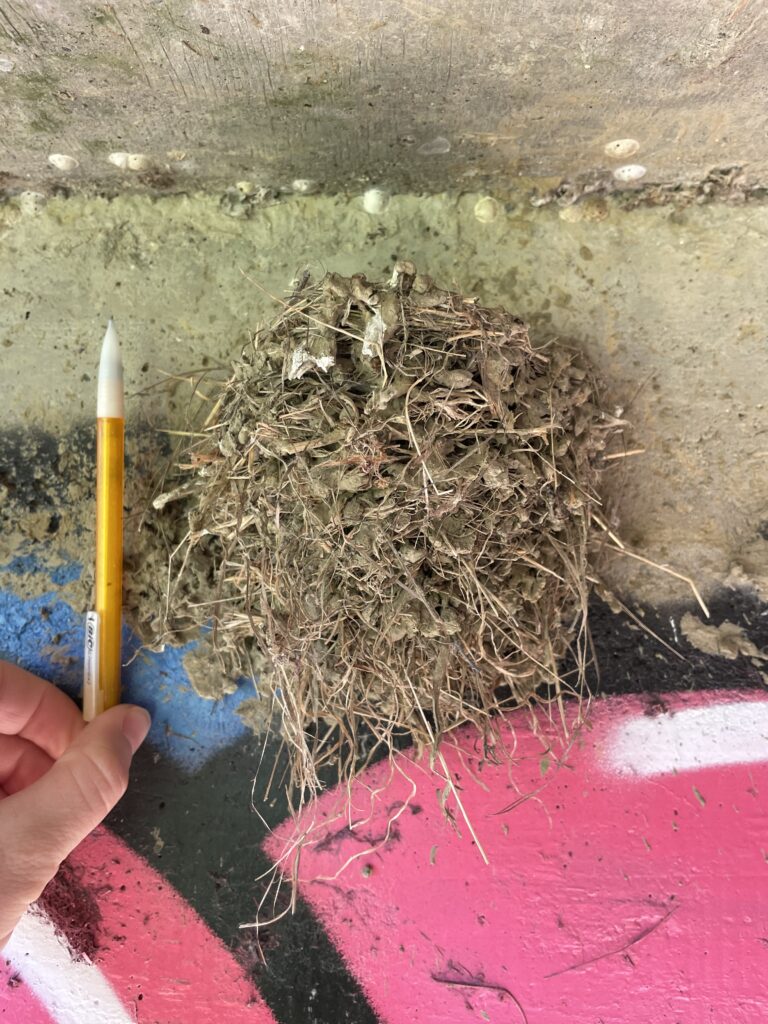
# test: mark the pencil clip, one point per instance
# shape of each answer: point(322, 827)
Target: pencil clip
point(91, 667)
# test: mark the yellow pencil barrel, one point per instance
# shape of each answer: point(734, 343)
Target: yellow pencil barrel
point(110, 442)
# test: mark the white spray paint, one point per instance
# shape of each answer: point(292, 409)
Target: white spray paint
point(71, 991)
point(720, 734)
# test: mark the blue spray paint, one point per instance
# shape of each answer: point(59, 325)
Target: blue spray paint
point(44, 635)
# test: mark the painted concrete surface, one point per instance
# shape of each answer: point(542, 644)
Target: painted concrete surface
point(670, 925)
point(712, 735)
point(613, 892)
point(184, 726)
point(627, 877)
point(609, 895)
point(158, 961)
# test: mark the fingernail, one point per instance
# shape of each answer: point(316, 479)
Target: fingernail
point(136, 725)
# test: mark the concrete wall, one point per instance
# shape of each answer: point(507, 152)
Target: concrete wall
point(417, 95)
point(626, 877)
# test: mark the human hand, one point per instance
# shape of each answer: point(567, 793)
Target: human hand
point(58, 779)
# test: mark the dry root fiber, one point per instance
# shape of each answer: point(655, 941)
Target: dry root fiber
point(395, 492)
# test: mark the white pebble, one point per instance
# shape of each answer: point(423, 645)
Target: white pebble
point(139, 162)
point(6, 64)
point(620, 149)
point(375, 200)
point(630, 172)
point(119, 160)
point(435, 147)
point(130, 161)
point(487, 209)
point(62, 162)
point(305, 186)
point(31, 203)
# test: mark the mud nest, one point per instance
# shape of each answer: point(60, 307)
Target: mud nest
point(394, 496)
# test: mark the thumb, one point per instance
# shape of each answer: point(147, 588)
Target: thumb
point(42, 824)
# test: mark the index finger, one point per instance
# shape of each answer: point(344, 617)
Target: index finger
point(37, 711)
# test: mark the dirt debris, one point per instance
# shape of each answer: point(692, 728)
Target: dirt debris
point(74, 911)
point(726, 640)
point(256, 713)
point(206, 672)
point(722, 184)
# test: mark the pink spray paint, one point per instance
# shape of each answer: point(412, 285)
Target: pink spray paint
point(158, 957)
point(611, 894)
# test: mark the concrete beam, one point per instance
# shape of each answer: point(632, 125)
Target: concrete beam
point(414, 95)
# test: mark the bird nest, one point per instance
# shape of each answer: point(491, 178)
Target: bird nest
point(394, 493)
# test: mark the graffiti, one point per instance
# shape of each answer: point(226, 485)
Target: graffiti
point(627, 875)
point(612, 893)
point(156, 960)
point(607, 889)
point(184, 727)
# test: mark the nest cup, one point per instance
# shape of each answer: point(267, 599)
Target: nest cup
point(393, 495)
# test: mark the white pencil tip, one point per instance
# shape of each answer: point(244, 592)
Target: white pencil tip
point(110, 335)
point(110, 395)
